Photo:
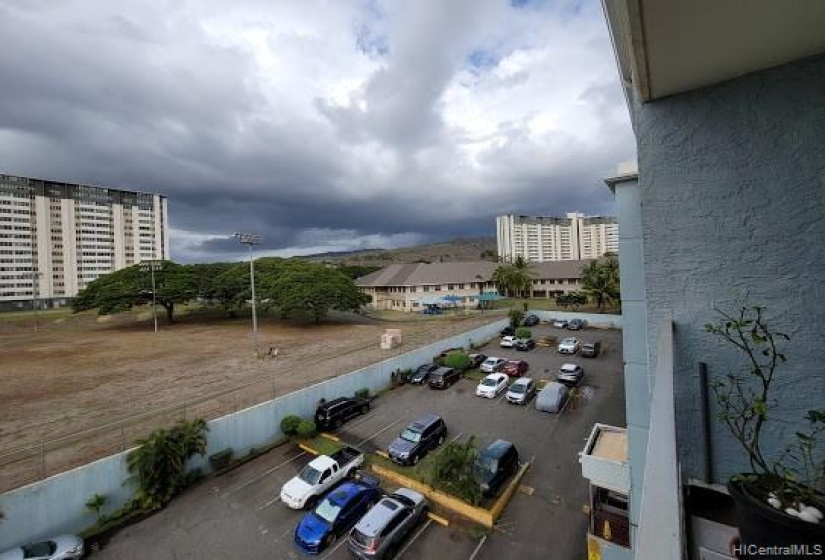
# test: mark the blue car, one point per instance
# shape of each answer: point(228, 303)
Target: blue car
point(336, 514)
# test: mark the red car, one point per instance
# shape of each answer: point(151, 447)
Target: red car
point(515, 368)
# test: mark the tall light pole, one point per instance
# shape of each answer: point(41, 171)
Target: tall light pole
point(35, 280)
point(152, 266)
point(250, 239)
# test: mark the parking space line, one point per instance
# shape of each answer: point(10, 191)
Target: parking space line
point(478, 547)
point(379, 432)
point(412, 540)
point(336, 547)
point(260, 476)
point(356, 424)
point(267, 504)
point(455, 438)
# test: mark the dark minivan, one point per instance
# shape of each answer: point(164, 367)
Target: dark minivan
point(591, 349)
point(332, 414)
point(494, 465)
point(443, 377)
point(428, 432)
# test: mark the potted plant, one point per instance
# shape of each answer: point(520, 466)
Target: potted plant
point(780, 502)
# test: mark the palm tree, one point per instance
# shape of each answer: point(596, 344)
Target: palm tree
point(522, 276)
point(503, 278)
point(602, 281)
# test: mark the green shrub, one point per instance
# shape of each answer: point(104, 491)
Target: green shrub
point(306, 429)
point(363, 393)
point(516, 316)
point(524, 332)
point(406, 374)
point(95, 505)
point(289, 425)
point(221, 460)
point(453, 471)
point(457, 360)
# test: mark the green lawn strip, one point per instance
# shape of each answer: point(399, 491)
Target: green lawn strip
point(474, 374)
point(323, 445)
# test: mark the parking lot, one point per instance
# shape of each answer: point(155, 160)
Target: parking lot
point(238, 514)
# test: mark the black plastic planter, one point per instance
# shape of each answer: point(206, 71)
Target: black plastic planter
point(764, 526)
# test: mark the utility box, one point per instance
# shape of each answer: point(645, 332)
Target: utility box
point(390, 339)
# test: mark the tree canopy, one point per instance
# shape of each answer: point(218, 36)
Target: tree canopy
point(514, 278)
point(601, 281)
point(296, 288)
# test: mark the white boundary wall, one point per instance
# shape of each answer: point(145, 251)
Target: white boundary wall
point(57, 504)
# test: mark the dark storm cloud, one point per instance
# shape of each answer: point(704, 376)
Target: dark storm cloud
point(318, 126)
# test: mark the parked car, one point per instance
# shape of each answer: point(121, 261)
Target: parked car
point(443, 377)
point(444, 353)
point(521, 390)
point(531, 321)
point(318, 476)
point(332, 414)
point(64, 547)
point(336, 513)
point(382, 530)
point(552, 397)
point(525, 344)
point(570, 374)
point(508, 331)
point(576, 324)
point(515, 368)
point(476, 360)
point(422, 374)
point(492, 364)
point(431, 311)
point(569, 345)
point(492, 385)
point(495, 464)
point(428, 432)
point(591, 349)
point(560, 323)
point(507, 342)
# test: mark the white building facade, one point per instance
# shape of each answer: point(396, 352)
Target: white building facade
point(57, 237)
point(541, 238)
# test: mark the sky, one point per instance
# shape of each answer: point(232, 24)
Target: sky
point(320, 125)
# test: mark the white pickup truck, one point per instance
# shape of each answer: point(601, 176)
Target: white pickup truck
point(321, 474)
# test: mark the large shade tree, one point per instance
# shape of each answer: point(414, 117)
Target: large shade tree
point(132, 286)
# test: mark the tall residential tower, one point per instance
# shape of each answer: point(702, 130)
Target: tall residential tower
point(539, 239)
point(56, 237)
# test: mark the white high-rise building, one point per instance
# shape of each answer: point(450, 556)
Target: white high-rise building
point(57, 237)
point(540, 238)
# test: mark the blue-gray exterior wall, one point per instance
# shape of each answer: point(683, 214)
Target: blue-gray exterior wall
point(732, 183)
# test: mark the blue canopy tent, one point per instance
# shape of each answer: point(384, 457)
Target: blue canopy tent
point(454, 299)
point(484, 299)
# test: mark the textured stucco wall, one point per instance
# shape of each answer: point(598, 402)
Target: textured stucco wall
point(732, 181)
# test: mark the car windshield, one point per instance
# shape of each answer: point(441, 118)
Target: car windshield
point(411, 435)
point(568, 368)
point(518, 388)
point(328, 511)
point(310, 475)
point(489, 382)
point(490, 361)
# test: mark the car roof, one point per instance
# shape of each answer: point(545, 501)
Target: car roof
point(424, 421)
point(333, 402)
point(345, 492)
point(497, 448)
point(496, 375)
point(523, 381)
point(378, 517)
point(515, 362)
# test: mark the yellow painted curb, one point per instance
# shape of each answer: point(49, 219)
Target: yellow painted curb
point(502, 502)
point(307, 449)
point(330, 436)
point(438, 519)
point(382, 454)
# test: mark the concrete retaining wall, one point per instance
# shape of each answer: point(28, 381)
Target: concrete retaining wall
point(56, 505)
point(593, 319)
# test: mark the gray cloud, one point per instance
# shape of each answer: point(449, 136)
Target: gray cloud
point(345, 125)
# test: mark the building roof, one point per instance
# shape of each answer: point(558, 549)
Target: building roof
point(419, 274)
point(667, 47)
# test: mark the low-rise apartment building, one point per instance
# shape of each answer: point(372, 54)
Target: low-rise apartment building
point(412, 287)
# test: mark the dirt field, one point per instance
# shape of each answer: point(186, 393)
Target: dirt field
point(81, 373)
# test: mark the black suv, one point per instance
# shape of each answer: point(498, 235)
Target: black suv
point(428, 432)
point(332, 414)
point(494, 465)
point(531, 321)
point(525, 344)
point(443, 377)
point(422, 374)
point(591, 349)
